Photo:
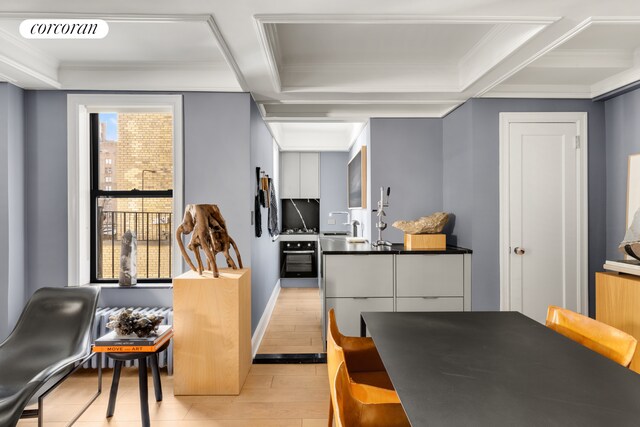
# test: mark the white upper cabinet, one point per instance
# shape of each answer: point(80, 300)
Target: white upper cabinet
point(299, 175)
point(309, 175)
point(290, 175)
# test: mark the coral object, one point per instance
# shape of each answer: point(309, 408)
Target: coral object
point(432, 224)
point(129, 322)
point(209, 234)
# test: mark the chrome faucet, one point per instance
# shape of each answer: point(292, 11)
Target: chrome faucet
point(354, 227)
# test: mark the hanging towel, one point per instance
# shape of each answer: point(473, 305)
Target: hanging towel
point(257, 220)
point(273, 211)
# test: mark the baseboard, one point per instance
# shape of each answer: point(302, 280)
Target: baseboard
point(264, 320)
point(290, 359)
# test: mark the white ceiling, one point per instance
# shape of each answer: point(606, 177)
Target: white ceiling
point(312, 136)
point(332, 63)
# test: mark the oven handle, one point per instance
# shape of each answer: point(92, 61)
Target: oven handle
point(298, 252)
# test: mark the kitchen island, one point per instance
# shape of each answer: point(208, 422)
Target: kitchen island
point(357, 277)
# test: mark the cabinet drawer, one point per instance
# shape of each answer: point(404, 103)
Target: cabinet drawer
point(430, 304)
point(348, 311)
point(358, 275)
point(430, 275)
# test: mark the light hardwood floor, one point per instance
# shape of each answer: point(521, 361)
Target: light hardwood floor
point(295, 323)
point(272, 396)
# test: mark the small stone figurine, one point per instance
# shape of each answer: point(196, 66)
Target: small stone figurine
point(128, 260)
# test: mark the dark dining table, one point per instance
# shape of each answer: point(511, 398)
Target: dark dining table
point(498, 369)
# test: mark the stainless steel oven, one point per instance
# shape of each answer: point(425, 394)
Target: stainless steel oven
point(298, 259)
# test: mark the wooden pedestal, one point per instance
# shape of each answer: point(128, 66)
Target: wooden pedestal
point(212, 332)
point(618, 305)
point(425, 241)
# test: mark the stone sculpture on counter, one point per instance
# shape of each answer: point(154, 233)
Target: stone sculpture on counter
point(432, 224)
point(209, 234)
point(128, 322)
point(128, 259)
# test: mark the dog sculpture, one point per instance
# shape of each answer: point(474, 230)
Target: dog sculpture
point(209, 234)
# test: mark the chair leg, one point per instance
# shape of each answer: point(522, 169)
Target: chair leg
point(330, 413)
point(155, 371)
point(144, 392)
point(114, 388)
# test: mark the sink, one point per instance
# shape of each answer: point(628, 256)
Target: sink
point(336, 233)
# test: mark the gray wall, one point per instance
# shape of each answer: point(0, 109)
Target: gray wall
point(46, 188)
point(363, 215)
point(406, 155)
point(16, 204)
point(482, 137)
point(217, 154)
point(12, 249)
point(333, 189)
point(4, 213)
point(623, 139)
point(265, 252)
point(457, 179)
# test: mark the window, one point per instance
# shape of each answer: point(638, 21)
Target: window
point(136, 193)
point(81, 176)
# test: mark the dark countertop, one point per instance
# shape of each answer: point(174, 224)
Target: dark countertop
point(339, 246)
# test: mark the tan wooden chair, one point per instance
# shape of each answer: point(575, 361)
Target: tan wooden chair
point(369, 378)
point(597, 336)
point(360, 405)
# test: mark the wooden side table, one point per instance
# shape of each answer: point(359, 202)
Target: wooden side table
point(121, 354)
point(618, 305)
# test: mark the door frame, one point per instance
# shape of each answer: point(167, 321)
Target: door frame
point(580, 119)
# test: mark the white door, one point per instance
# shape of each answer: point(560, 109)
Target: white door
point(545, 200)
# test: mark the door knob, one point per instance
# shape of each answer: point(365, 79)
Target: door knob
point(518, 251)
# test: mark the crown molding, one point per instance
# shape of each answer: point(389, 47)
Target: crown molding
point(294, 18)
point(540, 91)
point(25, 59)
point(226, 53)
point(268, 36)
point(266, 27)
point(142, 65)
point(616, 81)
point(344, 101)
point(580, 27)
point(38, 72)
point(333, 113)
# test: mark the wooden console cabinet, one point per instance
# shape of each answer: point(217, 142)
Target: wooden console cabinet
point(212, 332)
point(618, 305)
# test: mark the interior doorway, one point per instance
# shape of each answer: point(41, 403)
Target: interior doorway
point(543, 212)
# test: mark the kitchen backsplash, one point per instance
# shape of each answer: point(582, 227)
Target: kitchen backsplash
point(309, 209)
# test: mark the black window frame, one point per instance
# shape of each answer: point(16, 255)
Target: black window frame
point(96, 193)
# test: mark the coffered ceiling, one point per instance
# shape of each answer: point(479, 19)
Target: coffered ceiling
point(334, 63)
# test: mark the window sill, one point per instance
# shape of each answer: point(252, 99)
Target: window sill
point(140, 286)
